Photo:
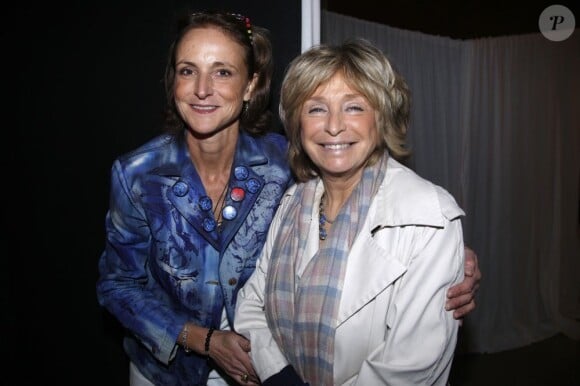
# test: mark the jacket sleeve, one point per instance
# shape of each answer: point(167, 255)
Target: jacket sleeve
point(250, 319)
point(420, 335)
point(123, 287)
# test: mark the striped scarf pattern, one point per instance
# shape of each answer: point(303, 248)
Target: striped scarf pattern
point(302, 311)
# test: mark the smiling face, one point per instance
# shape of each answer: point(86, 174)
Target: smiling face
point(211, 81)
point(338, 129)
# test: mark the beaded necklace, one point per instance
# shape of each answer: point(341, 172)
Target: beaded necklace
point(322, 220)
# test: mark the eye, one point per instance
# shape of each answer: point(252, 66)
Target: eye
point(185, 71)
point(315, 108)
point(223, 73)
point(355, 108)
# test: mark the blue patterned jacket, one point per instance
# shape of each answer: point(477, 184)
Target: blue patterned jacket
point(164, 262)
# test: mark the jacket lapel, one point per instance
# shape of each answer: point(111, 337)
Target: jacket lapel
point(244, 177)
point(370, 270)
point(401, 200)
point(185, 191)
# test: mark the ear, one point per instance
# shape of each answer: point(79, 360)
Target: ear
point(250, 87)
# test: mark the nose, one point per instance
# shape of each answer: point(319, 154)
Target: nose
point(203, 86)
point(335, 124)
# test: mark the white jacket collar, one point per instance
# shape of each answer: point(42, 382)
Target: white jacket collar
point(405, 198)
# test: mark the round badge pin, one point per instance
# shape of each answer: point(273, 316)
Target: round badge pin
point(205, 203)
point(237, 194)
point(253, 185)
point(241, 173)
point(208, 224)
point(229, 212)
point(180, 188)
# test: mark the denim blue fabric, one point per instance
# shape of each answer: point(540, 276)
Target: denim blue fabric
point(161, 267)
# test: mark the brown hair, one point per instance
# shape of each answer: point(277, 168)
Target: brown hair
point(256, 117)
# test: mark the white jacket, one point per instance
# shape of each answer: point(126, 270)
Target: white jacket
point(392, 325)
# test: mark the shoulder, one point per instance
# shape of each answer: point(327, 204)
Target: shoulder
point(411, 199)
point(155, 146)
point(266, 154)
point(273, 144)
point(157, 154)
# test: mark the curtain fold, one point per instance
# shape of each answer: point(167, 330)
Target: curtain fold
point(496, 122)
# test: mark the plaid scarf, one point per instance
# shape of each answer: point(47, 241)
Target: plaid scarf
point(302, 311)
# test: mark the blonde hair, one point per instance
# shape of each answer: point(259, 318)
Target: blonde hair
point(367, 70)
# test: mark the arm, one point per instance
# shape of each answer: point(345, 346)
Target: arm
point(461, 297)
point(421, 336)
point(138, 296)
point(123, 286)
point(250, 318)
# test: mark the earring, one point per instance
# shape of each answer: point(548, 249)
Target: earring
point(245, 107)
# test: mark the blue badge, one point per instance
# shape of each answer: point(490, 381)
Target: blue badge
point(253, 185)
point(180, 188)
point(205, 203)
point(208, 224)
point(241, 173)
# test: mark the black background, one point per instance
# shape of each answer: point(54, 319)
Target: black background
point(458, 19)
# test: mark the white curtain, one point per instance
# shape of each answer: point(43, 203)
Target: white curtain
point(496, 121)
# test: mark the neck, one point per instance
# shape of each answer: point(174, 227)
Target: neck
point(213, 156)
point(336, 192)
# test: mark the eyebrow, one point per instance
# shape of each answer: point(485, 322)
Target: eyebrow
point(316, 98)
point(213, 65)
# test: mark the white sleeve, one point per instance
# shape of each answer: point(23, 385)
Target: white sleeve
point(250, 317)
point(421, 336)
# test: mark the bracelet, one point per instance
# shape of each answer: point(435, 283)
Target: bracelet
point(207, 338)
point(184, 339)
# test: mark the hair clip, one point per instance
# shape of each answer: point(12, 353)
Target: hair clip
point(246, 21)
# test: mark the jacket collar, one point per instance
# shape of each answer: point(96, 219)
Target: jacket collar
point(404, 198)
point(186, 192)
point(177, 162)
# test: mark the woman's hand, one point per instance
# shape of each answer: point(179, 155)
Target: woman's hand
point(461, 297)
point(230, 351)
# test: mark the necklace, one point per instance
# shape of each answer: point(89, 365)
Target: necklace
point(224, 209)
point(219, 206)
point(322, 220)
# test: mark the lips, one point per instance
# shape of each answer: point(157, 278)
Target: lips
point(204, 108)
point(337, 146)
